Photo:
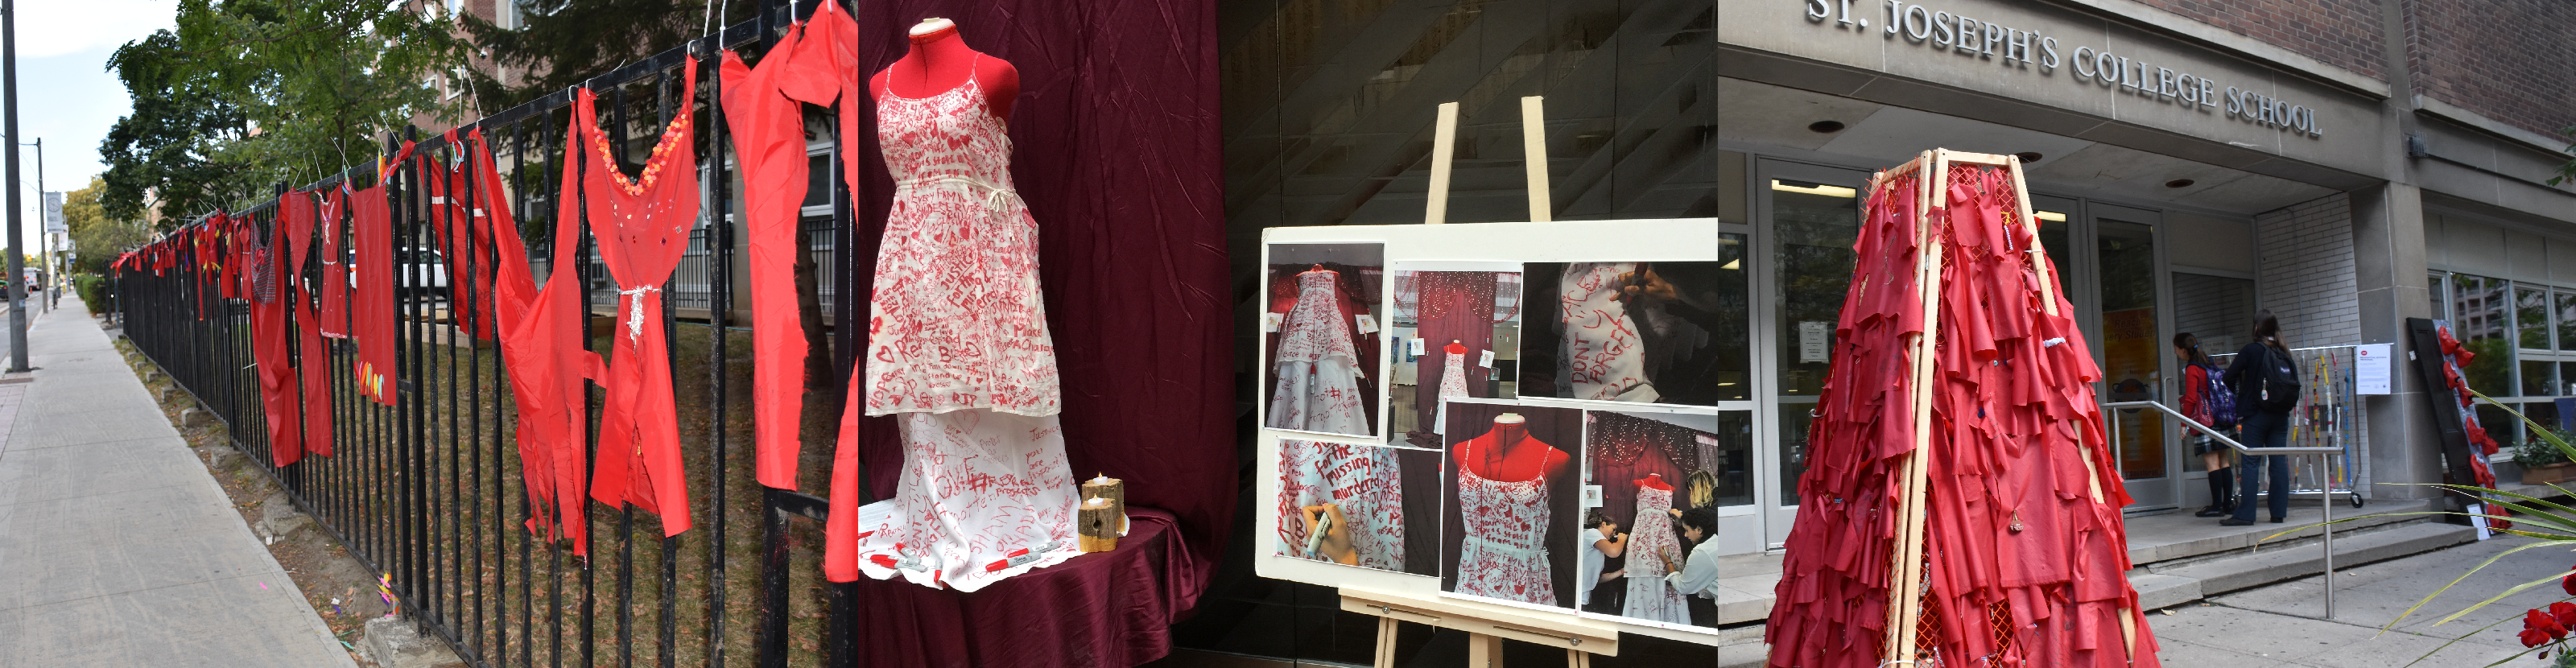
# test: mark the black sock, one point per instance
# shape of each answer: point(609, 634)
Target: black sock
point(2222, 488)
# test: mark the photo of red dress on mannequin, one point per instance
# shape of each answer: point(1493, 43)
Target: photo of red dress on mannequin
point(958, 347)
point(1515, 503)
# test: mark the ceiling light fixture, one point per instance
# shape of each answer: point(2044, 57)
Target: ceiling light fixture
point(2028, 157)
point(2049, 215)
point(2178, 183)
point(1813, 189)
point(1826, 127)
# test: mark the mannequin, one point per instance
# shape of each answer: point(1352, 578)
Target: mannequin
point(1654, 481)
point(1455, 348)
point(939, 61)
point(1513, 460)
point(1503, 508)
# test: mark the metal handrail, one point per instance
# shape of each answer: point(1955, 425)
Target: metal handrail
point(2326, 481)
point(2222, 438)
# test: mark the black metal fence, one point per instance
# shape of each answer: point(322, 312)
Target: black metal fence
point(429, 492)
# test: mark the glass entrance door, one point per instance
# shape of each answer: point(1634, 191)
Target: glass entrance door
point(2131, 339)
point(1812, 217)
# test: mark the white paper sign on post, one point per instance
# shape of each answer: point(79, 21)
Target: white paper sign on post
point(1270, 321)
point(1488, 361)
point(1367, 324)
point(2370, 368)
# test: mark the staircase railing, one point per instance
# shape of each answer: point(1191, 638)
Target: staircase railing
point(2325, 527)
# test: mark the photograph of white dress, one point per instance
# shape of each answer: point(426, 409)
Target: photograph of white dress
point(1650, 541)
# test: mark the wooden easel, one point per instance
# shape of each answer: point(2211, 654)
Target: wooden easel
point(1931, 192)
point(1486, 626)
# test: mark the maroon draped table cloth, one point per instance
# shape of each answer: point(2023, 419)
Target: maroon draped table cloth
point(1111, 608)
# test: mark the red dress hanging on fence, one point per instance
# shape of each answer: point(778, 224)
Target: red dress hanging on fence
point(335, 267)
point(296, 214)
point(769, 141)
point(268, 306)
point(540, 342)
point(642, 227)
point(371, 308)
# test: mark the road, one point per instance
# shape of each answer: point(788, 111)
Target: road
point(2276, 626)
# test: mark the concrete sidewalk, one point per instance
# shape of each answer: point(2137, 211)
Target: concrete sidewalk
point(117, 548)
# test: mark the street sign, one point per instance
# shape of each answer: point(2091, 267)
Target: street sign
point(54, 213)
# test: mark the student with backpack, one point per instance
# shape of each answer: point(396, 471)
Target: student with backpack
point(2266, 383)
point(2208, 401)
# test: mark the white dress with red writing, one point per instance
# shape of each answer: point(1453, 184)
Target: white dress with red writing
point(1318, 366)
point(1504, 552)
point(1453, 385)
point(958, 349)
point(1650, 542)
point(1602, 358)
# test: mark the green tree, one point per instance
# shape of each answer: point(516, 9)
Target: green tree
point(243, 94)
point(563, 42)
point(96, 237)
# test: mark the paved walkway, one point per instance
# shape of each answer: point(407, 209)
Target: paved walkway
point(116, 546)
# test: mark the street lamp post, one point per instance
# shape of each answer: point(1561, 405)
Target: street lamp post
point(9, 126)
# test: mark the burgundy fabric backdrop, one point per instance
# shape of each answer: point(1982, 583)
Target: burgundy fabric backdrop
point(1560, 428)
point(1116, 151)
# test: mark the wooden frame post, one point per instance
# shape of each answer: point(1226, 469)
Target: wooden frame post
point(1542, 207)
point(1444, 139)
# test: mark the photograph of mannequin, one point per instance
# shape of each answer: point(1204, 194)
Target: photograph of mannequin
point(974, 389)
point(1319, 337)
point(1513, 502)
point(1645, 463)
point(1648, 332)
point(1467, 325)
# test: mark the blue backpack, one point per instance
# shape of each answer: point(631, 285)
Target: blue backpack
point(2217, 401)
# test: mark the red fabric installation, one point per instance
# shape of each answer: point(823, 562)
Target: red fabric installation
point(642, 226)
point(268, 344)
point(295, 214)
point(769, 140)
point(335, 266)
point(541, 344)
point(371, 302)
point(2022, 506)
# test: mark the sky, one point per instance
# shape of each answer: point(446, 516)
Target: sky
point(66, 96)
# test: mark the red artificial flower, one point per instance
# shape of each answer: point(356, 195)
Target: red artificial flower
point(2565, 612)
point(2539, 628)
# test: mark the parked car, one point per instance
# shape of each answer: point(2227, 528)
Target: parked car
point(432, 268)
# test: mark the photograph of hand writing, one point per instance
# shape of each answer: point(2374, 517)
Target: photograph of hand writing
point(1345, 503)
point(1512, 492)
point(1649, 332)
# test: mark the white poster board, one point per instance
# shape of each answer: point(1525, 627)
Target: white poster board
point(1651, 240)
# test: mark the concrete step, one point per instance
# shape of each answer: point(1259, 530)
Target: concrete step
point(2160, 587)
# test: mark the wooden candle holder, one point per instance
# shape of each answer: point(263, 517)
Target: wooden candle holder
point(1097, 524)
point(1113, 489)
